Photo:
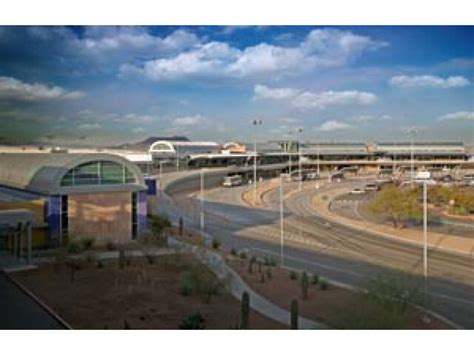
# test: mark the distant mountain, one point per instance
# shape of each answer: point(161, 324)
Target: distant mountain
point(145, 144)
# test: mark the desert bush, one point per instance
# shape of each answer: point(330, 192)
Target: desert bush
point(110, 245)
point(122, 258)
point(200, 281)
point(323, 285)
point(73, 247)
point(245, 311)
point(159, 224)
point(194, 321)
point(294, 314)
point(262, 278)
point(233, 252)
point(74, 265)
point(269, 273)
point(100, 264)
point(293, 275)
point(304, 285)
point(242, 255)
point(216, 244)
point(60, 257)
point(314, 279)
point(87, 243)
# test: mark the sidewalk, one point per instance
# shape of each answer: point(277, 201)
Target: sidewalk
point(237, 286)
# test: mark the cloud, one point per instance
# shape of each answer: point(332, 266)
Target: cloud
point(334, 125)
point(14, 89)
point(138, 130)
point(320, 49)
point(320, 100)
point(88, 126)
point(188, 121)
point(430, 81)
point(458, 116)
point(91, 115)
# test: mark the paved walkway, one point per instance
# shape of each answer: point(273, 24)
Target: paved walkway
point(19, 311)
point(237, 286)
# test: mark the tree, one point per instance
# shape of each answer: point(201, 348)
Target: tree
point(245, 311)
point(294, 314)
point(304, 285)
point(397, 204)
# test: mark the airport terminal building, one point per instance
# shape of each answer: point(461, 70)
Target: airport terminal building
point(101, 196)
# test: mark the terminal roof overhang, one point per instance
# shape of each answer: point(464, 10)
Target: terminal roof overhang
point(42, 172)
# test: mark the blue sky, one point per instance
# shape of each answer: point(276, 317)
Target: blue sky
point(106, 85)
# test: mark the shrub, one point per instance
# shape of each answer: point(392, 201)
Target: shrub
point(323, 285)
point(294, 314)
point(216, 244)
point(262, 278)
point(293, 275)
point(200, 281)
point(314, 279)
point(87, 243)
point(100, 264)
point(243, 255)
point(74, 265)
point(269, 273)
point(159, 224)
point(60, 256)
point(233, 252)
point(194, 321)
point(150, 257)
point(304, 285)
point(110, 245)
point(245, 311)
point(73, 247)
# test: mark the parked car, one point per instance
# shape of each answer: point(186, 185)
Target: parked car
point(371, 187)
point(357, 191)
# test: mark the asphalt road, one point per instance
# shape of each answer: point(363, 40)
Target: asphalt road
point(19, 311)
point(334, 251)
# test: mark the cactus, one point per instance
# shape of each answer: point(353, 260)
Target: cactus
point(245, 311)
point(294, 314)
point(304, 285)
point(181, 226)
point(122, 260)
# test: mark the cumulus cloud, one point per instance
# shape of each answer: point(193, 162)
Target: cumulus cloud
point(322, 48)
point(306, 99)
point(430, 81)
point(188, 121)
point(333, 125)
point(14, 89)
point(458, 116)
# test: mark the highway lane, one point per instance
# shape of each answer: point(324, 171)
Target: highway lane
point(338, 252)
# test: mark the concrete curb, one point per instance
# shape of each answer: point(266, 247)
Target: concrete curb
point(36, 299)
point(236, 286)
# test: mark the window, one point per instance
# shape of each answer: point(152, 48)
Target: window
point(64, 217)
point(98, 173)
point(134, 215)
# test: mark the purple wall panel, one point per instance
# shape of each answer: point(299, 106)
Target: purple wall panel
point(142, 210)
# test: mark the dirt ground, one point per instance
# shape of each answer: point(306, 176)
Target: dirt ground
point(321, 305)
point(145, 296)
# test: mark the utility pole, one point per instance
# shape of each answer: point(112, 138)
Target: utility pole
point(281, 221)
point(300, 176)
point(256, 123)
point(201, 197)
point(412, 132)
point(425, 238)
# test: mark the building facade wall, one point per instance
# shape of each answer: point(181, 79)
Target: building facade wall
point(103, 216)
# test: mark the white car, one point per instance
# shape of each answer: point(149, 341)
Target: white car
point(357, 191)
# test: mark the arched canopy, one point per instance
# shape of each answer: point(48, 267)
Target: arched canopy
point(162, 146)
point(63, 173)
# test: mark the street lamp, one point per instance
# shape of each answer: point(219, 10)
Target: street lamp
point(425, 238)
point(412, 132)
point(300, 178)
point(281, 221)
point(256, 123)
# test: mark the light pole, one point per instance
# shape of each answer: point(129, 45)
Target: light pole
point(317, 152)
point(256, 123)
point(177, 158)
point(201, 198)
point(412, 133)
point(300, 177)
point(281, 221)
point(425, 238)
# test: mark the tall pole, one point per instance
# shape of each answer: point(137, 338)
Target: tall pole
point(177, 158)
point(256, 123)
point(425, 238)
point(201, 197)
point(412, 156)
point(317, 151)
point(300, 177)
point(281, 221)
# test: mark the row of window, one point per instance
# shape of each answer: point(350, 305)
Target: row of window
point(98, 173)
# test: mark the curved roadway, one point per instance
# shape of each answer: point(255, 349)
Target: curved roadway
point(335, 251)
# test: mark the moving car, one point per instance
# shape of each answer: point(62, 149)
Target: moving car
point(371, 187)
point(231, 181)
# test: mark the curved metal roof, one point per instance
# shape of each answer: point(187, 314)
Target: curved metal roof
point(43, 172)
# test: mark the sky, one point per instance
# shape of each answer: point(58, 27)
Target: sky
point(108, 85)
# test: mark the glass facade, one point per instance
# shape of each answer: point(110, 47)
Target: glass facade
point(98, 173)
